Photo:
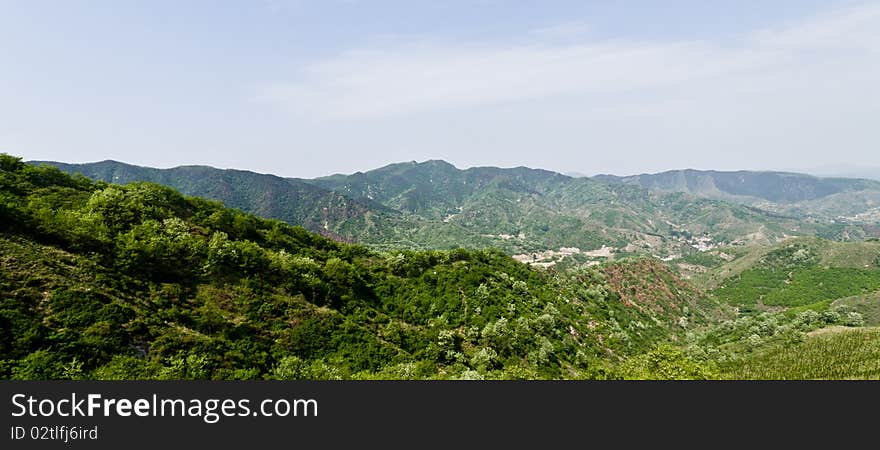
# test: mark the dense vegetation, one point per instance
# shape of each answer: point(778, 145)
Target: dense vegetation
point(738, 338)
point(138, 282)
point(289, 200)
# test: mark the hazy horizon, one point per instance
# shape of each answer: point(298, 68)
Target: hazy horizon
point(308, 89)
point(829, 171)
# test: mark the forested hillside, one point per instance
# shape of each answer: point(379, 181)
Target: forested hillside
point(290, 200)
point(137, 281)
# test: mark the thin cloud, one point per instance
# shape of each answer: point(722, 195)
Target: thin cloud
point(407, 78)
point(568, 30)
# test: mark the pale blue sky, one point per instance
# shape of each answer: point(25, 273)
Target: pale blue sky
point(309, 88)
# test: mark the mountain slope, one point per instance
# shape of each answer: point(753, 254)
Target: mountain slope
point(435, 189)
point(533, 210)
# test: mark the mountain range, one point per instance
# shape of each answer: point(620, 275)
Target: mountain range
point(541, 216)
point(794, 194)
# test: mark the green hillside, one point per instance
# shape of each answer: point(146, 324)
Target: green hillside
point(840, 353)
point(800, 272)
point(647, 285)
point(139, 282)
point(290, 200)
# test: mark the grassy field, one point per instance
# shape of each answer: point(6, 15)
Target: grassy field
point(828, 354)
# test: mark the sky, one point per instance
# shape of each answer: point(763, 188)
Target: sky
point(309, 88)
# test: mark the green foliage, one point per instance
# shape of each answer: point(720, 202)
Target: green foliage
point(43, 364)
point(127, 367)
point(664, 362)
point(735, 340)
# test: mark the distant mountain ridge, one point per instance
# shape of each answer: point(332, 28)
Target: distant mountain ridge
point(286, 199)
point(781, 187)
point(792, 193)
point(434, 205)
point(436, 188)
